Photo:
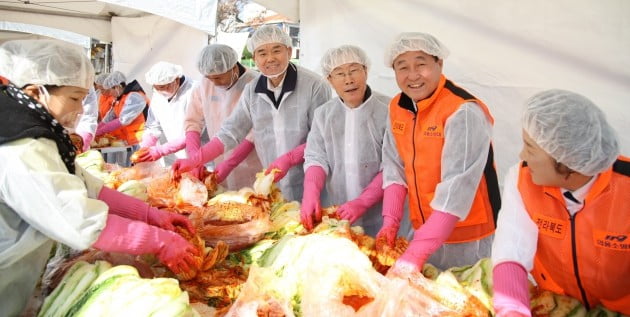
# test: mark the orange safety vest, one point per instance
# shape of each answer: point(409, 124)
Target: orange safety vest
point(104, 104)
point(585, 256)
point(420, 139)
point(132, 133)
point(4, 81)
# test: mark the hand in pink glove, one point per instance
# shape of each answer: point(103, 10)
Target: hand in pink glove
point(107, 127)
point(239, 153)
point(136, 209)
point(314, 179)
point(136, 237)
point(155, 152)
point(426, 240)
point(393, 204)
point(207, 153)
point(286, 161)
point(148, 140)
point(354, 209)
point(511, 293)
point(87, 140)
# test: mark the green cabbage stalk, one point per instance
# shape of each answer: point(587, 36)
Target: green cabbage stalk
point(135, 189)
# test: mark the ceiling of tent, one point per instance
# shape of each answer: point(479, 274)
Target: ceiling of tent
point(87, 17)
point(92, 17)
point(288, 8)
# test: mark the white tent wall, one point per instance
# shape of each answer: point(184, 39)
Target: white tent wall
point(141, 42)
point(501, 51)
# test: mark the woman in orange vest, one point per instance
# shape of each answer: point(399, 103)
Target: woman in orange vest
point(126, 120)
point(443, 135)
point(566, 211)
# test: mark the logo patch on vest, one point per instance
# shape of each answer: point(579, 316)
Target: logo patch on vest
point(432, 131)
point(611, 240)
point(398, 127)
point(553, 227)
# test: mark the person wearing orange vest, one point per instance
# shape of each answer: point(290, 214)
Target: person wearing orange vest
point(125, 120)
point(566, 211)
point(443, 136)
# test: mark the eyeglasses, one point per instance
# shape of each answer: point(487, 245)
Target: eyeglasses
point(352, 72)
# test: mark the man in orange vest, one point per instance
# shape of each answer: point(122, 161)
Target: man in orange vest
point(566, 211)
point(125, 120)
point(443, 135)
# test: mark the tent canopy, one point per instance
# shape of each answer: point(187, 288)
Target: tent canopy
point(92, 18)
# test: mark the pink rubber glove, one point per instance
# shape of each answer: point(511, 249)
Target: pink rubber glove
point(193, 144)
point(286, 161)
point(511, 290)
point(132, 208)
point(314, 179)
point(393, 205)
point(87, 139)
point(136, 237)
point(354, 209)
point(240, 153)
point(207, 153)
point(107, 127)
point(148, 140)
point(426, 240)
point(155, 152)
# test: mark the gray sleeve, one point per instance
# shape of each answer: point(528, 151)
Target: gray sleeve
point(467, 136)
point(393, 168)
point(134, 104)
point(236, 127)
point(315, 152)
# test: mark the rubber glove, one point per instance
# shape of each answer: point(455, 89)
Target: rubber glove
point(426, 240)
point(132, 208)
point(393, 205)
point(87, 139)
point(193, 144)
point(107, 127)
point(511, 290)
point(354, 209)
point(314, 179)
point(148, 140)
point(207, 153)
point(286, 161)
point(155, 152)
point(241, 152)
point(136, 237)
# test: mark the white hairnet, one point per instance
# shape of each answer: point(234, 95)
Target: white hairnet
point(341, 55)
point(572, 129)
point(163, 73)
point(45, 62)
point(100, 79)
point(268, 34)
point(114, 79)
point(216, 59)
point(415, 41)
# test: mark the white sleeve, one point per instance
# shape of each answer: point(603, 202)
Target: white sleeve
point(194, 120)
point(87, 123)
point(36, 184)
point(152, 125)
point(239, 123)
point(466, 144)
point(134, 104)
point(516, 236)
